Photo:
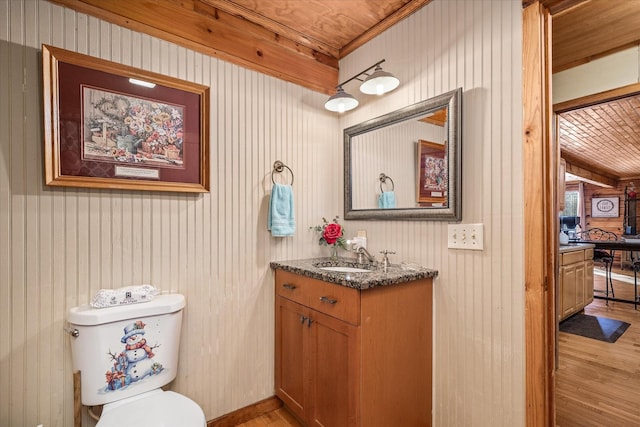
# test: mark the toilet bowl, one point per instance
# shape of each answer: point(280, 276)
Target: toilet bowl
point(154, 408)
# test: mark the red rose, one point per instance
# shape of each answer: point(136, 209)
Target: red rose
point(331, 233)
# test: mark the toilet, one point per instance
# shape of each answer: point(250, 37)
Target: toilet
point(125, 354)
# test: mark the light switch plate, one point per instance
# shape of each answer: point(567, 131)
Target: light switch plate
point(465, 236)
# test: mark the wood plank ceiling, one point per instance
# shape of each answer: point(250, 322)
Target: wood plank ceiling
point(602, 140)
point(300, 41)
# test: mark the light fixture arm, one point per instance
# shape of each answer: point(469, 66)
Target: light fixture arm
point(356, 77)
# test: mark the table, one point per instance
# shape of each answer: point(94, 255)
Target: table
point(616, 245)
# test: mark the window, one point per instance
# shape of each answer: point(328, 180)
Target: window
point(570, 204)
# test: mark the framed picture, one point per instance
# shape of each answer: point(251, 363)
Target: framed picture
point(113, 126)
point(433, 175)
point(605, 207)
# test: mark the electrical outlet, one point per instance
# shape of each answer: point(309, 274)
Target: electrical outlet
point(465, 236)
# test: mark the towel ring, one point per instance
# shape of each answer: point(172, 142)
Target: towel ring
point(278, 167)
point(383, 180)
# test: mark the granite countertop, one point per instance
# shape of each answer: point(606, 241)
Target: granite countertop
point(569, 247)
point(396, 273)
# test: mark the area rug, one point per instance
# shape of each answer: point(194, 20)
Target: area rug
point(598, 328)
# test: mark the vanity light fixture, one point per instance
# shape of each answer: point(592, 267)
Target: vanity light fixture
point(377, 83)
point(341, 101)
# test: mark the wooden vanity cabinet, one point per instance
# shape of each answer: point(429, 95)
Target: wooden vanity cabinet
point(346, 357)
point(576, 281)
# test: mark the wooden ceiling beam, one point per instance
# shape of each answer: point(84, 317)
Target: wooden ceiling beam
point(201, 27)
point(275, 27)
point(576, 166)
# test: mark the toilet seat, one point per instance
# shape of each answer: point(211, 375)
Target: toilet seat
point(156, 408)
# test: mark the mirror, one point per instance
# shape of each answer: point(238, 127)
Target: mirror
point(405, 165)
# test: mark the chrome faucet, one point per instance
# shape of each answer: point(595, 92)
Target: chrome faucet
point(385, 259)
point(362, 252)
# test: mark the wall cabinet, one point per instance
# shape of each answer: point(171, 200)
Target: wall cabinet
point(576, 281)
point(349, 357)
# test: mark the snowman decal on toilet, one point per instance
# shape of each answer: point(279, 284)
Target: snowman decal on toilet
point(135, 362)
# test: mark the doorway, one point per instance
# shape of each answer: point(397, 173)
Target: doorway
point(540, 184)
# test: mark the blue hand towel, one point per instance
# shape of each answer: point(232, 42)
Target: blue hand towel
point(387, 200)
point(281, 220)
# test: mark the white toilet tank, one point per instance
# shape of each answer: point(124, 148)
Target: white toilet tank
point(126, 350)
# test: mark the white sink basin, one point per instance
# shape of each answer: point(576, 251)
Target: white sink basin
point(346, 269)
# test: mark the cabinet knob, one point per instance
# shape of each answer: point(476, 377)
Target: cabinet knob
point(303, 319)
point(328, 300)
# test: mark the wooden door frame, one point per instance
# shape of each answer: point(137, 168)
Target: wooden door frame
point(540, 157)
point(541, 154)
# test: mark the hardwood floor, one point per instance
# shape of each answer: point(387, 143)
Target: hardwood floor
point(278, 418)
point(598, 383)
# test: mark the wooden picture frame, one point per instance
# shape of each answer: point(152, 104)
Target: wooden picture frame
point(433, 175)
point(605, 207)
point(103, 129)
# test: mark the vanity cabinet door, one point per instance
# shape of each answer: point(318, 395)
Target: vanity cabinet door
point(317, 370)
point(335, 380)
point(292, 364)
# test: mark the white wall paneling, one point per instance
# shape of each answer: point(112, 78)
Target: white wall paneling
point(59, 246)
point(479, 296)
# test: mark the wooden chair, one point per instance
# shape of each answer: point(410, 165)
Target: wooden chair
point(602, 256)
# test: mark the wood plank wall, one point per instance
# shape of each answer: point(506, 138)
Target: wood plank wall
point(612, 224)
point(59, 246)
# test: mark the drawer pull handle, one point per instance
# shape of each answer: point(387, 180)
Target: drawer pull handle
point(288, 286)
point(328, 300)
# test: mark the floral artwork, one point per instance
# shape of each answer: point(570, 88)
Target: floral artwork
point(128, 129)
point(433, 174)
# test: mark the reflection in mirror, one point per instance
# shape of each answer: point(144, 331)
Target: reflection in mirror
point(406, 164)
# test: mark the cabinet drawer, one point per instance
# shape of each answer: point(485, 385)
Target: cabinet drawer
point(588, 254)
point(335, 300)
point(292, 286)
point(572, 257)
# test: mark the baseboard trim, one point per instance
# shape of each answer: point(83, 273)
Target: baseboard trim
point(247, 413)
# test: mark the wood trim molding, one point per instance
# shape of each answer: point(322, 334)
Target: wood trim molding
point(540, 196)
point(219, 34)
point(247, 413)
point(577, 167)
point(596, 98)
point(391, 20)
point(275, 27)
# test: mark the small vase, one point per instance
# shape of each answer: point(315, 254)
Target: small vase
point(334, 252)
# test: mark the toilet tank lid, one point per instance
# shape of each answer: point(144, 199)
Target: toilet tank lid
point(161, 304)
